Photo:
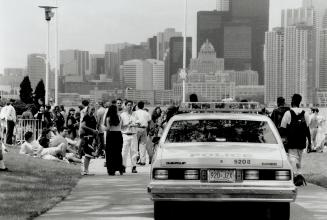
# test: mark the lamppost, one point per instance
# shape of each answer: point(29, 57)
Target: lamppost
point(183, 73)
point(48, 15)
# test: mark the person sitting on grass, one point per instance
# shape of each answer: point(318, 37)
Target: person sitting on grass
point(32, 148)
point(3, 167)
point(44, 140)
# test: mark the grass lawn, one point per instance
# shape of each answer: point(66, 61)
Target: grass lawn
point(315, 168)
point(34, 185)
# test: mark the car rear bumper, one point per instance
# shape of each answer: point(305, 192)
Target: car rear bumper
point(272, 193)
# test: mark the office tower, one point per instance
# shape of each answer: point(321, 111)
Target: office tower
point(111, 66)
point(295, 16)
point(223, 5)
point(273, 60)
point(36, 68)
point(97, 65)
point(134, 52)
point(152, 42)
point(243, 78)
point(207, 62)
point(176, 55)
point(74, 63)
point(133, 75)
point(116, 47)
point(221, 28)
point(163, 39)
point(210, 26)
point(155, 70)
point(238, 45)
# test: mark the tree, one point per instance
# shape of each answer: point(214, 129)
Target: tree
point(39, 93)
point(26, 91)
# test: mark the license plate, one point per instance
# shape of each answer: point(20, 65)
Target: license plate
point(221, 176)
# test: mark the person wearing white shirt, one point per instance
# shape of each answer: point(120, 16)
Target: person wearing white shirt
point(10, 116)
point(129, 136)
point(142, 118)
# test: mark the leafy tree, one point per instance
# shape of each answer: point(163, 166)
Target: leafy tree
point(26, 91)
point(39, 93)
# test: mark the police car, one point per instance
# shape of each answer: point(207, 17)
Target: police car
point(222, 152)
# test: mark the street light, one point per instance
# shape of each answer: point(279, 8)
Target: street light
point(48, 15)
point(183, 72)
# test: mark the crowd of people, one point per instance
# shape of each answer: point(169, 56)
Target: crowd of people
point(119, 130)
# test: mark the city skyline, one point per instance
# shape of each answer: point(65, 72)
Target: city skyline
point(24, 33)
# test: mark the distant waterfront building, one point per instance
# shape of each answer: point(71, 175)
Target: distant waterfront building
point(116, 47)
point(223, 5)
point(134, 52)
point(208, 87)
point(14, 71)
point(132, 69)
point(273, 59)
point(244, 78)
point(250, 92)
point(74, 62)
point(97, 65)
point(176, 55)
point(111, 66)
point(156, 69)
point(36, 68)
point(207, 62)
point(163, 39)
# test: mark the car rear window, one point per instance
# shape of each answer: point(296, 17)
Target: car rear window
point(220, 131)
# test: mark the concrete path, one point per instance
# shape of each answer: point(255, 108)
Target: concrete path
point(125, 197)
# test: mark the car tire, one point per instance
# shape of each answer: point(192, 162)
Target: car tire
point(278, 211)
point(160, 209)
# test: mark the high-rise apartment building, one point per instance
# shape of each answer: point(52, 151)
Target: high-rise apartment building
point(323, 60)
point(273, 60)
point(176, 56)
point(36, 68)
point(163, 39)
point(207, 62)
point(74, 63)
point(223, 5)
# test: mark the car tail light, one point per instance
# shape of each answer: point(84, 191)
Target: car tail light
point(251, 174)
point(191, 174)
point(161, 174)
point(283, 175)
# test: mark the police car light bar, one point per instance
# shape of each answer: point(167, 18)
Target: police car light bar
point(241, 107)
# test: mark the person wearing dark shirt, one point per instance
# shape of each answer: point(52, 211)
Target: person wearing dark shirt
point(88, 135)
point(45, 138)
point(72, 123)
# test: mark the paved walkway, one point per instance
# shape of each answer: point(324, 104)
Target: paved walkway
point(124, 197)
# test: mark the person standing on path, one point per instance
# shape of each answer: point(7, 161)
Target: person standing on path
point(10, 116)
point(295, 126)
point(129, 136)
point(88, 135)
point(142, 118)
point(314, 125)
point(114, 142)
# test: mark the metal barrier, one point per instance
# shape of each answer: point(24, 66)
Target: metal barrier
point(24, 125)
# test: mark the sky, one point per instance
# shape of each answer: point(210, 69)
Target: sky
point(89, 25)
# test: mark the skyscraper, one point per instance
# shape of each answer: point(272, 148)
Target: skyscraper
point(111, 66)
point(273, 60)
point(163, 39)
point(155, 69)
point(74, 63)
point(153, 46)
point(97, 65)
point(176, 55)
point(207, 62)
point(36, 68)
point(132, 72)
point(223, 5)
point(323, 60)
point(134, 52)
point(246, 20)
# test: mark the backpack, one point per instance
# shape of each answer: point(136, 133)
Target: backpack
point(299, 180)
point(297, 131)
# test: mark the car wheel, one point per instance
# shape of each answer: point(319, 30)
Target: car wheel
point(278, 211)
point(160, 209)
